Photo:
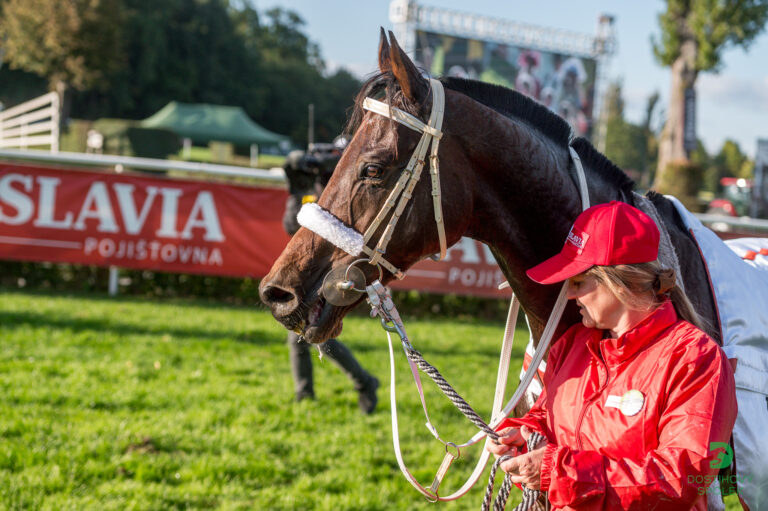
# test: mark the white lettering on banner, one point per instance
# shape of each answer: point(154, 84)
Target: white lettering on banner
point(468, 249)
point(209, 220)
point(168, 216)
point(469, 252)
point(470, 277)
point(140, 250)
point(15, 199)
point(98, 197)
point(133, 223)
point(488, 254)
point(48, 205)
point(17, 207)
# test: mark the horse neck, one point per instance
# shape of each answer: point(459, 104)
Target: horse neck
point(524, 202)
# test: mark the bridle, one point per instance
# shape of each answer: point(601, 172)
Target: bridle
point(430, 134)
point(326, 225)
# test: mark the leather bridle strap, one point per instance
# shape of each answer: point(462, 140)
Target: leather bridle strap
point(403, 190)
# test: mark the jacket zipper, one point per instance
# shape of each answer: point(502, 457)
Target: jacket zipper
point(590, 402)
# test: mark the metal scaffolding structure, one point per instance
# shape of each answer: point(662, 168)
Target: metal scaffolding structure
point(407, 17)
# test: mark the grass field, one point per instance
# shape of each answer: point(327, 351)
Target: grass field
point(123, 404)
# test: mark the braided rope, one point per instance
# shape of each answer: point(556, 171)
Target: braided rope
point(530, 496)
point(450, 392)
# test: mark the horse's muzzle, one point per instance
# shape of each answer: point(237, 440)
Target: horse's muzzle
point(282, 301)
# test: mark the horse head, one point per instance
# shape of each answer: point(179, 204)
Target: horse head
point(369, 169)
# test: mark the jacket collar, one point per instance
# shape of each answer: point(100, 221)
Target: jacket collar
point(642, 335)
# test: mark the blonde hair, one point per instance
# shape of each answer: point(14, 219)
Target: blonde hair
point(645, 286)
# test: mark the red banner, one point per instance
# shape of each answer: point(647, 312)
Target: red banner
point(139, 222)
point(182, 226)
point(469, 268)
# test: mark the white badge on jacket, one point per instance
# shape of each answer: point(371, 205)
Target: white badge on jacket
point(629, 404)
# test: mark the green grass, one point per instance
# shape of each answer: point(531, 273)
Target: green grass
point(122, 404)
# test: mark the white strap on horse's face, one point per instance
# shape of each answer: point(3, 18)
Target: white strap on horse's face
point(329, 227)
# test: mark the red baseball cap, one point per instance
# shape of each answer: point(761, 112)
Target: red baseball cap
point(603, 235)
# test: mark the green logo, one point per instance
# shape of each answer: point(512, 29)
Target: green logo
point(724, 458)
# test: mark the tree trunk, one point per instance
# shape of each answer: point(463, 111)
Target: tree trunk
point(671, 146)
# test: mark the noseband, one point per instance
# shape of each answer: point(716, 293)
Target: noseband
point(329, 227)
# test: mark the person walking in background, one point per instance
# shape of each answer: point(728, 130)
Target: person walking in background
point(308, 173)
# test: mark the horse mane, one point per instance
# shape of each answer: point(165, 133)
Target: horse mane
point(507, 102)
point(512, 104)
point(603, 167)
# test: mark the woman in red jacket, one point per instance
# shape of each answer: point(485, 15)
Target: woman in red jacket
point(638, 403)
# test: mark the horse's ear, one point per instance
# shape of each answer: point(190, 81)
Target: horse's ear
point(408, 76)
point(385, 64)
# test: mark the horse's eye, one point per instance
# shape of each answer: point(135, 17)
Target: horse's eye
point(372, 171)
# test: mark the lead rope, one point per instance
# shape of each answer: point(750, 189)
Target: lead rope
point(530, 496)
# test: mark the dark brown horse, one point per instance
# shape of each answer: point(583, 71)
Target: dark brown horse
point(507, 180)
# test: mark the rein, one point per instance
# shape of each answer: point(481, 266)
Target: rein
point(344, 287)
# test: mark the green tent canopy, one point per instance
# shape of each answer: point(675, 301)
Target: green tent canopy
point(203, 123)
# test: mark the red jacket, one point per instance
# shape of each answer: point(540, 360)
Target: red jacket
point(651, 452)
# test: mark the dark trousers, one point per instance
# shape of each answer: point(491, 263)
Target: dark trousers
point(301, 364)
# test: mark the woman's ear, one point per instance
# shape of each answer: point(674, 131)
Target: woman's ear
point(413, 85)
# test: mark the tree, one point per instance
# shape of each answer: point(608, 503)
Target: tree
point(694, 34)
point(629, 145)
point(292, 75)
point(729, 162)
point(128, 58)
point(71, 43)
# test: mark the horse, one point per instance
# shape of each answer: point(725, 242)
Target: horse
point(506, 177)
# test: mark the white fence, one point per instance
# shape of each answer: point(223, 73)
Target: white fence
point(31, 124)
point(119, 163)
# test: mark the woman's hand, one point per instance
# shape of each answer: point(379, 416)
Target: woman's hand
point(525, 469)
point(509, 443)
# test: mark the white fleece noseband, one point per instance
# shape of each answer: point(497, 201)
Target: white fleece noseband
point(330, 228)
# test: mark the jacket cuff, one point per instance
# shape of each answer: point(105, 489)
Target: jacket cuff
point(546, 466)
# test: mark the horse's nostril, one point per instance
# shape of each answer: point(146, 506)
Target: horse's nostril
point(274, 295)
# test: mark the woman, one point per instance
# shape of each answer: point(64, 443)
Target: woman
point(636, 396)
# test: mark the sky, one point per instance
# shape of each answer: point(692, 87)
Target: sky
point(732, 104)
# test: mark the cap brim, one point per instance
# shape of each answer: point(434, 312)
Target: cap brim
point(557, 269)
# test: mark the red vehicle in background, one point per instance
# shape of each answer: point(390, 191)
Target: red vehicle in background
point(737, 193)
point(745, 197)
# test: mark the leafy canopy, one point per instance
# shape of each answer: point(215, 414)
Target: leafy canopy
point(714, 25)
point(77, 42)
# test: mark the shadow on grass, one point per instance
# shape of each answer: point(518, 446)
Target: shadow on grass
point(16, 319)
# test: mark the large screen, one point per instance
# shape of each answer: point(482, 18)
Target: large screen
point(564, 83)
